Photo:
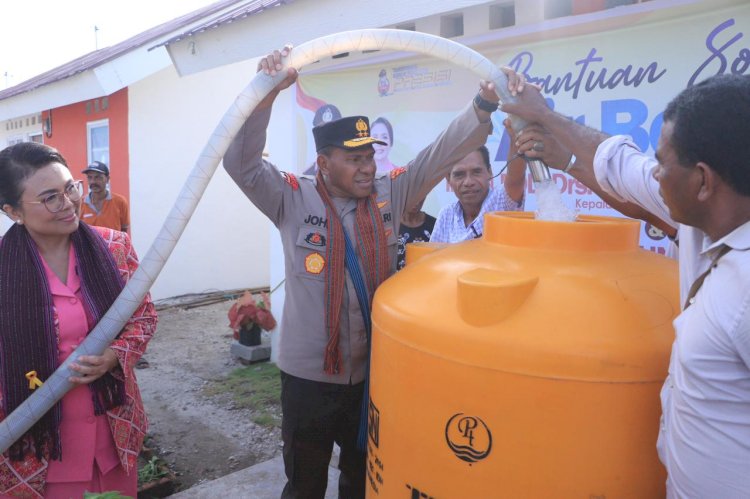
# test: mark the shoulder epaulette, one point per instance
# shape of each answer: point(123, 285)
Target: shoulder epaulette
point(397, 171)
point(290, 179)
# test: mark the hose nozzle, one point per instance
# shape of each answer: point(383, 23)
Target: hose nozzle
point(539, 170)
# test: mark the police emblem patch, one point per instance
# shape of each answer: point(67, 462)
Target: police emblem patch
point(397, 171)
point(362, 129)
point(315, 263)
point(316, 239)
point(290, 179)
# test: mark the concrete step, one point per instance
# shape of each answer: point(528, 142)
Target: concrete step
point(262, 481)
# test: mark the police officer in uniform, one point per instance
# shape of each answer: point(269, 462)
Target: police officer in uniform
point(346, 211)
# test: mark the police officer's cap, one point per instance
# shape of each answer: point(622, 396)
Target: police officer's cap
point(350, 132)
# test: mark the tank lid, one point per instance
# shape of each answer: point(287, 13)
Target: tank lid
point(589, 233)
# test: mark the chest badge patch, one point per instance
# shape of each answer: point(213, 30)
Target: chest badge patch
point(315, 263)
point(316, 239)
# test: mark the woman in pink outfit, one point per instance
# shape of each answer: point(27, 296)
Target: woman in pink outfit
point(57, 279)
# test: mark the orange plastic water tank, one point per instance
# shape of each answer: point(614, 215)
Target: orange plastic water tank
point(526, 364)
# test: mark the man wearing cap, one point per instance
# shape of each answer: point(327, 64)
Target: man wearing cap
point(339, 232)
point(102, 207)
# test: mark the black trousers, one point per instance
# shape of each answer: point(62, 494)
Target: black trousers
point(314, 416)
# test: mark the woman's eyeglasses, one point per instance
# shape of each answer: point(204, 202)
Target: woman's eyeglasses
point(56, 201)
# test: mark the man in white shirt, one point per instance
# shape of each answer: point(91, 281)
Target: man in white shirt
point(470, 181)
point(700, 184)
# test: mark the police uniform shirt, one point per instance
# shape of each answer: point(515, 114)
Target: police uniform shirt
point(295, 207)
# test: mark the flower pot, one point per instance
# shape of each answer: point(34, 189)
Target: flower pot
point(162, 486)
point(250, 336)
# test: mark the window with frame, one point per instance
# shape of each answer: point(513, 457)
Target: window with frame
point(97, 133)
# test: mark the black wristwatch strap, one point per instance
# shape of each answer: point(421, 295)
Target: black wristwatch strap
point(485, 105)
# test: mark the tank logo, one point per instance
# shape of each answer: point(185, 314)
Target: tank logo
point(373, 424)
point(468, 437)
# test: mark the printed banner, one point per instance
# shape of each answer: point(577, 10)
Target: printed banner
point(616, 80)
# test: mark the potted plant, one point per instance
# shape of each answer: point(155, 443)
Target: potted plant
point(155, 479)
point(248, 315)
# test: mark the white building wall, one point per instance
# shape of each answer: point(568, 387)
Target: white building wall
point(476, 20)
point(529, 11)
point(22, 128)
point(12, 130)
point(226, 243)
point(296, 23)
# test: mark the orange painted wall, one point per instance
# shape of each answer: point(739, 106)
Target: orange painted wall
point(69, 136)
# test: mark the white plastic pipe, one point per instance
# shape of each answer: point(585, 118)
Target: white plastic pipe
point(57, 385)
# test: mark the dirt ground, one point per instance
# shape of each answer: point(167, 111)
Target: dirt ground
point(201, 437)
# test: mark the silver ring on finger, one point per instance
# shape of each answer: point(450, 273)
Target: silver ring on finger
point(538, 146)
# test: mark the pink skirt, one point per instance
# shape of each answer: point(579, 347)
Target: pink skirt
point(115, 480)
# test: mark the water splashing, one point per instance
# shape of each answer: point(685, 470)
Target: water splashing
point(550, 206)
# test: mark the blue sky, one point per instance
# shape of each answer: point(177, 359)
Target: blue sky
point(44, 34)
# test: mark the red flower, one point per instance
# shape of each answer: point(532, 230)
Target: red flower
point(249, 310)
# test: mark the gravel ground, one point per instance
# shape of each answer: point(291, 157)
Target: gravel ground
point(201, 437)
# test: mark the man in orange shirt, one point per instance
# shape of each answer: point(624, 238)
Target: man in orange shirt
point(102, 207)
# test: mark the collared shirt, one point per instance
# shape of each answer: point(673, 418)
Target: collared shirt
point(451, 228)
point(704, 439)
point(115, 213)
point(85, 437)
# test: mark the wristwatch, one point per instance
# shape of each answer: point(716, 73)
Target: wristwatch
point(485, 105)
